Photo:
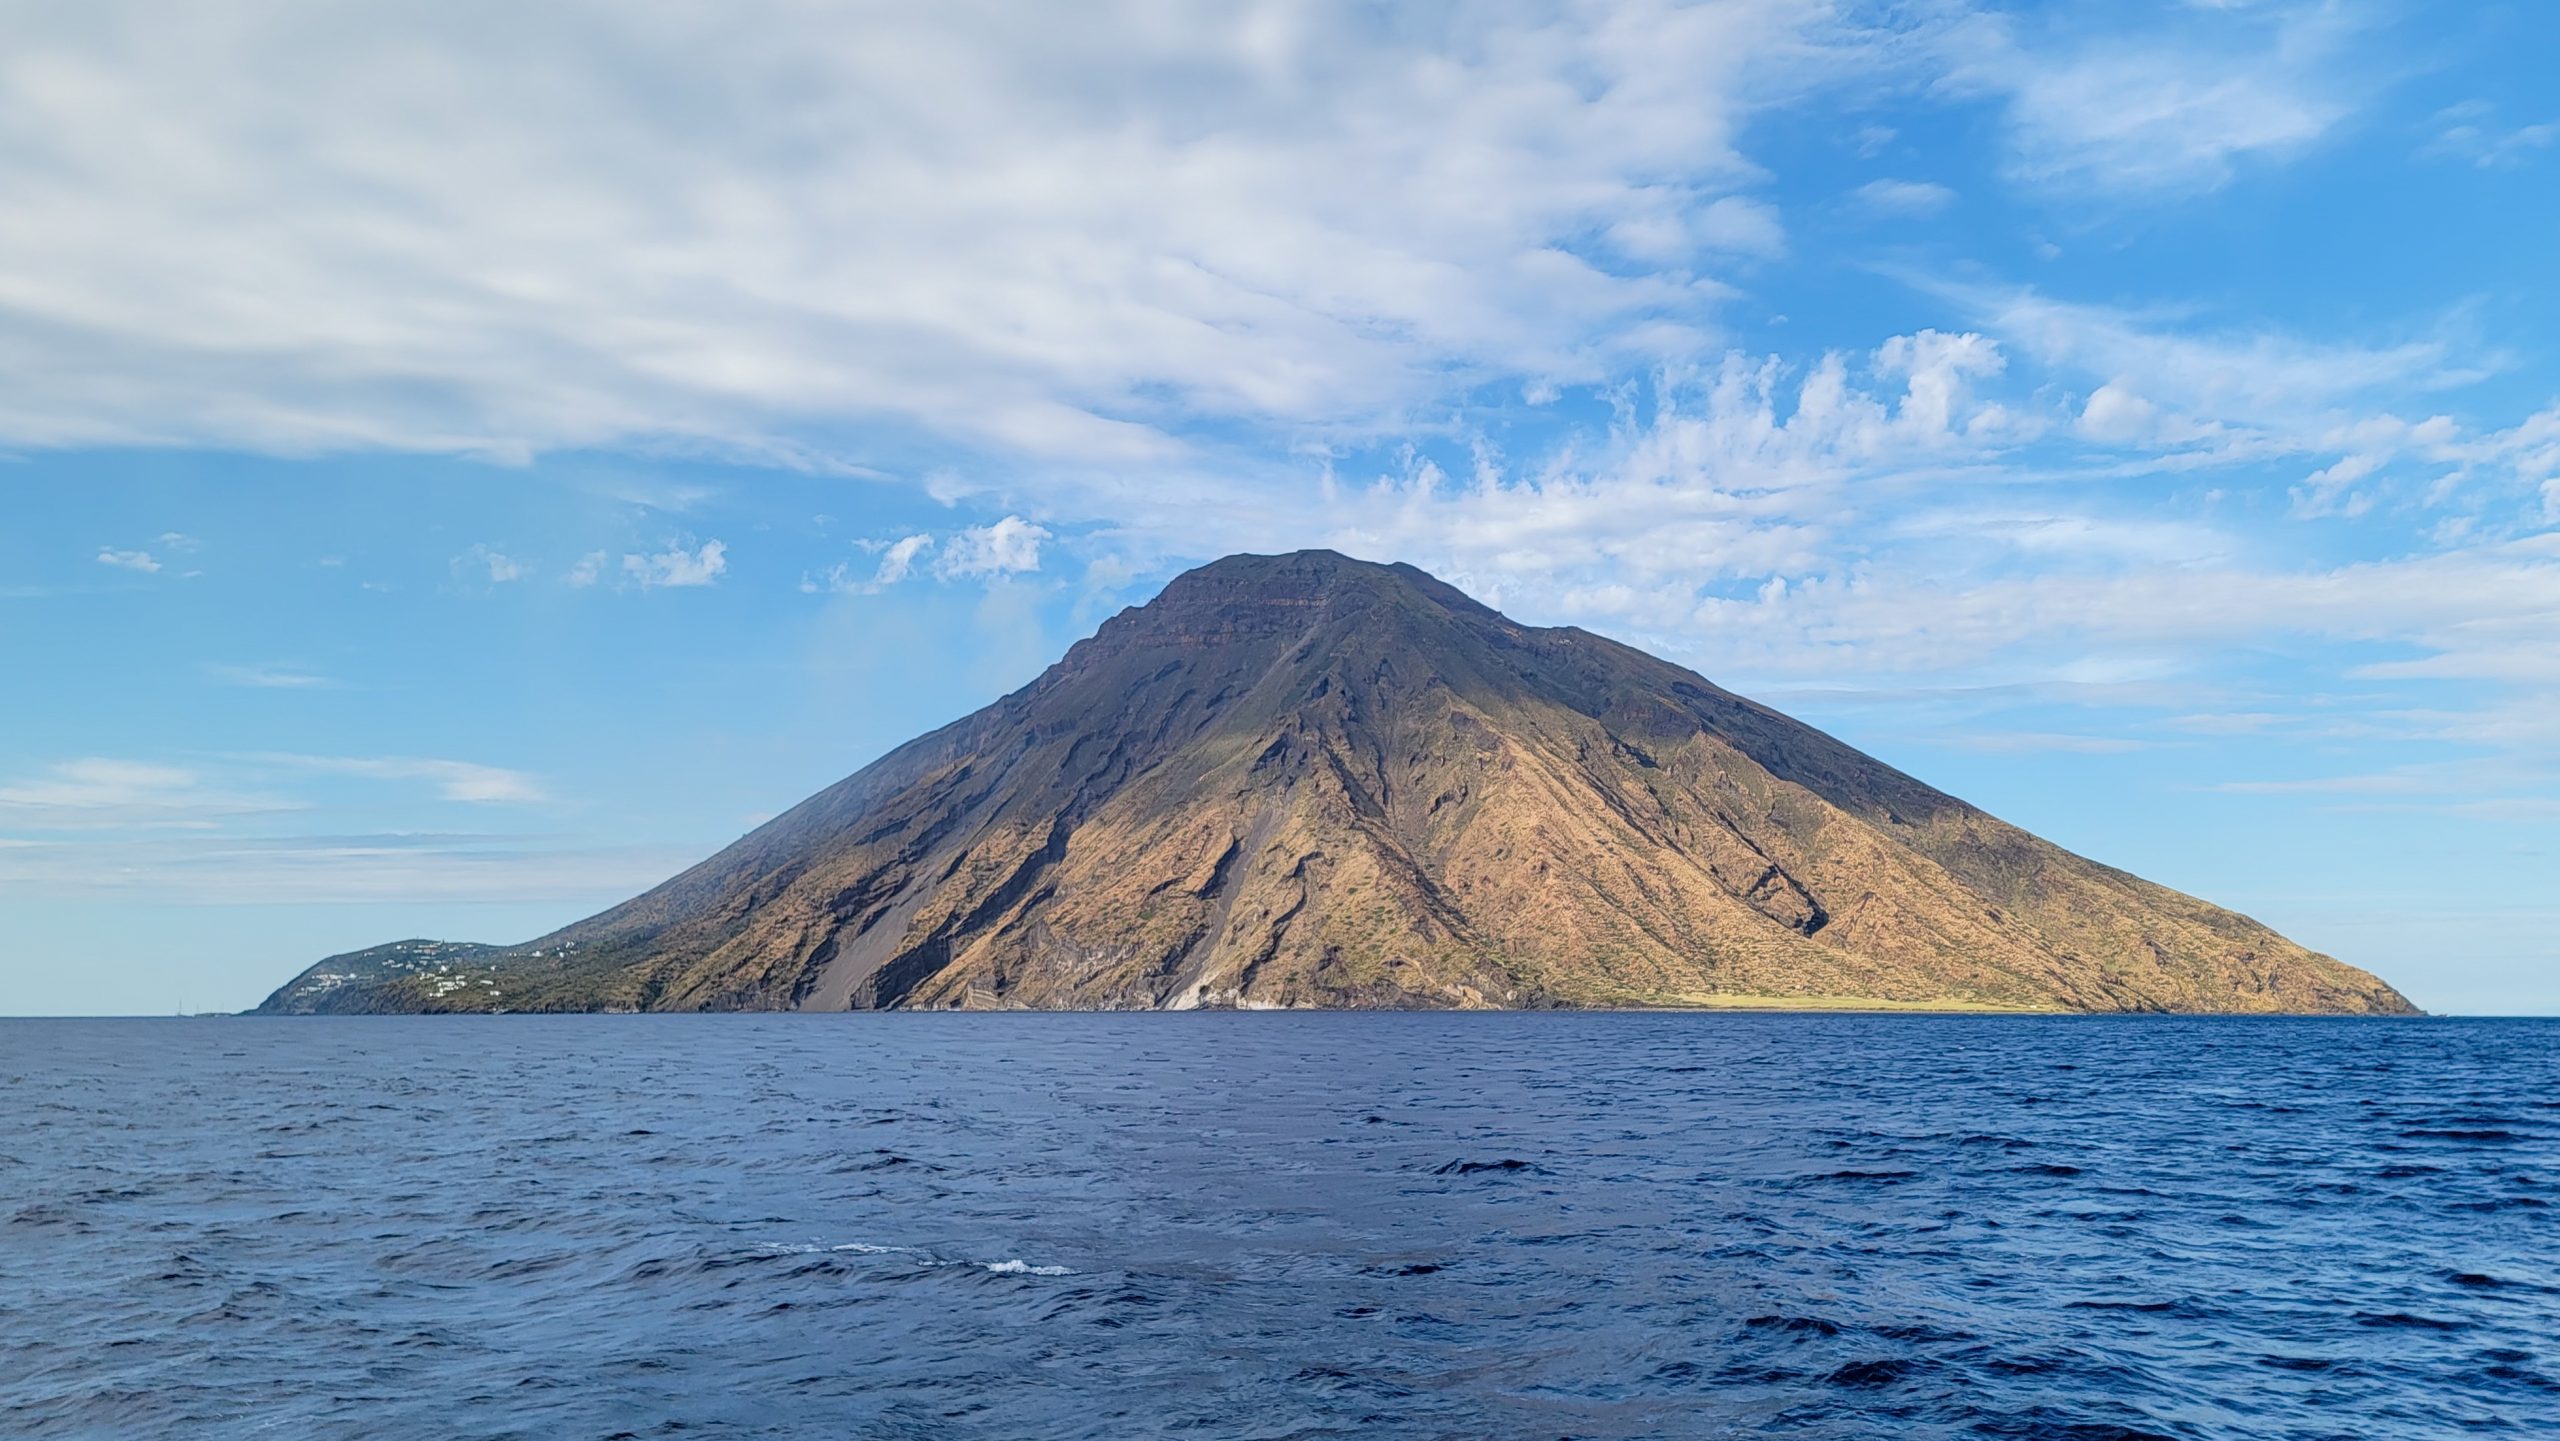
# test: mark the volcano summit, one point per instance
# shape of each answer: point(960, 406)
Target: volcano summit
point(1305, 780)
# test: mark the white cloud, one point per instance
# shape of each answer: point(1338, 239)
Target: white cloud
point(2000, 742)
point(2468, 133)
point(2116, 414)
point(405, 868)
point(588, 570)
point(2060, 534)
point(837, 579)
point(2219, 396)
point(140, 560)
point(1903, 197)
point(2383, 783)
point(1937, 367)
point(102, 793)
point(2175, 109)
point(453, 780)
point(2490, 611)
point(2229, 723)
point(1742, 224)
point(2531, 452)
point(1011, 546)
point(1741, 468)
point(899, 557)
point(2224, 374)
point(203, 834)
point(1052, 231)
point(494, 565)
point(677, 566)
point(2328, 490)
point(269, 677)
point(1008, 547)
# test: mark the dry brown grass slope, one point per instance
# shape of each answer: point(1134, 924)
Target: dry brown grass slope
point(1304, 780)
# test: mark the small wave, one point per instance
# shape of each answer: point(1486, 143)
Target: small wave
point(2402, 1320)
point(1985, 1138)
point(2042, 1425)
point(2515, 1375)
point(1008, 1267)
point(1475, 1168)
point(1808, 1325)
point(2147, 1308)
point(2485, 1137)
point(1871, 1178)
point(1923, 1334)
point(879, 1160)
point(857, 1248)
point(2042, 1364)
point(1884, 1372)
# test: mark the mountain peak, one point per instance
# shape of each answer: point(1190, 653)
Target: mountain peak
point(1298, 576)
point(1315, 561)
point(1310, 780)
point(1247, 599)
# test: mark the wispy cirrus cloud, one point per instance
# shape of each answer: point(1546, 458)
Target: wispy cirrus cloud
point(2218, 373)
point(103, 792)
point(2470, 132)
point(409, 868)
point(269, 676)
point(2016, 742)
point(1906, 198)
point(1032, 232)
point(2177, 106)
point(98, 792)
point(453, 780)
point(2170, 386)
point(2447, 601)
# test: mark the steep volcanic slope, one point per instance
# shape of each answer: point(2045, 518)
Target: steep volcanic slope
point(1305, 780)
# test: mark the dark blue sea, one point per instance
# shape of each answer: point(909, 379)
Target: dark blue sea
point(980, 1226)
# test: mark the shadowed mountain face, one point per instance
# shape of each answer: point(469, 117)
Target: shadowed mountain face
point(1305, 780)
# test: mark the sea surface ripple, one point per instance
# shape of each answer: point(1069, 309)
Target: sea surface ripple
point(1268, 1226)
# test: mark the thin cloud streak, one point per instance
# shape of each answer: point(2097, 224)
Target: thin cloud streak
point(330, 870)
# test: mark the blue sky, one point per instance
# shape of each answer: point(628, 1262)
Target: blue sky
point(458, 467)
